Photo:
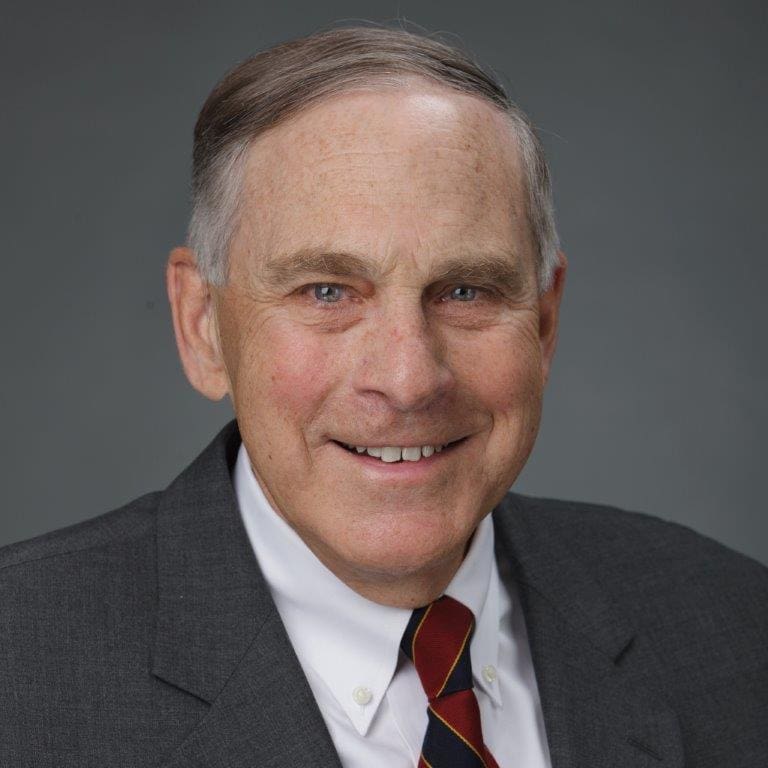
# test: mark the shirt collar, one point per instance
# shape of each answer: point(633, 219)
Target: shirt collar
point(347, 641)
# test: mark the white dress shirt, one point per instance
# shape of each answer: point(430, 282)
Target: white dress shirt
point(349, 648)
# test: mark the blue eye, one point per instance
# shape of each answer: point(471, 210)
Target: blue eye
point(328, 293)
point(463, 293)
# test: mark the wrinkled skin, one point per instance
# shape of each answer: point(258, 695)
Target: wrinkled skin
point(426, 327)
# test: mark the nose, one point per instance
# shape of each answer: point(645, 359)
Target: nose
point(403, 360)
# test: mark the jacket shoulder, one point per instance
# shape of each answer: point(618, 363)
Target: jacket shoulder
point(125, 523)
point(619, 539)
point(674, 581)
point(697, 611)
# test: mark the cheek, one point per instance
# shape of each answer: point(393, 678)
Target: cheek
point(289, 376)
point(504, 377)
point(503, 371)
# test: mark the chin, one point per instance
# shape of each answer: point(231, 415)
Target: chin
point(403, 557)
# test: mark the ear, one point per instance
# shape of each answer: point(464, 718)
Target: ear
point(549, 312)
point(194, 323)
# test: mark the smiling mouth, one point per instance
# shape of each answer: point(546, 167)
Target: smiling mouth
point(400, 454)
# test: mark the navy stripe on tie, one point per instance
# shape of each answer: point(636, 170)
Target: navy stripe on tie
point(443, 747)
point(406, 644)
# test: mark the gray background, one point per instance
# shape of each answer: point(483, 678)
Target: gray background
point(654, 116)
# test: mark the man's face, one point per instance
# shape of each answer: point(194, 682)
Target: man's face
point(383, 293)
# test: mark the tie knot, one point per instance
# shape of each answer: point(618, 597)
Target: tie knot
point(437, 641)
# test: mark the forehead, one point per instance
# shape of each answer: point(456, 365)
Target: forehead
point(401, 173)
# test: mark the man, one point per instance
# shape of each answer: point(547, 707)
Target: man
point(373, 278)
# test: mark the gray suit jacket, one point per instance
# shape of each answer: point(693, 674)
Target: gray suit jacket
point(147, 637)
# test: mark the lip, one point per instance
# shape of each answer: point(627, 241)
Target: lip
point(402, 471)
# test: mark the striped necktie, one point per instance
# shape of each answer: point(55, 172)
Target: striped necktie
point(437, 641)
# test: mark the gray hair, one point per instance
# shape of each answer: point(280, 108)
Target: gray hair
point(275, 84)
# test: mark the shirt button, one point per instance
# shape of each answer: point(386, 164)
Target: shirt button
point(489, 673)
point(362, 695)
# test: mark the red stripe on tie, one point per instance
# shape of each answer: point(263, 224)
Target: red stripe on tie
point(439, 641)
point(439, 644)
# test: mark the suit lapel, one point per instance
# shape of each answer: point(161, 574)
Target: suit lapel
point(265, 715)
point(219, 636)
point(589, 661)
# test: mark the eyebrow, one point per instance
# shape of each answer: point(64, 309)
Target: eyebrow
point(286, 269)
point(490, 268)
point(497, 269)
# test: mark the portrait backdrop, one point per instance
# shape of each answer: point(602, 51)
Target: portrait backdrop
point(654, 119)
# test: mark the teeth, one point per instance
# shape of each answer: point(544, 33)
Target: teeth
point(391, 453)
